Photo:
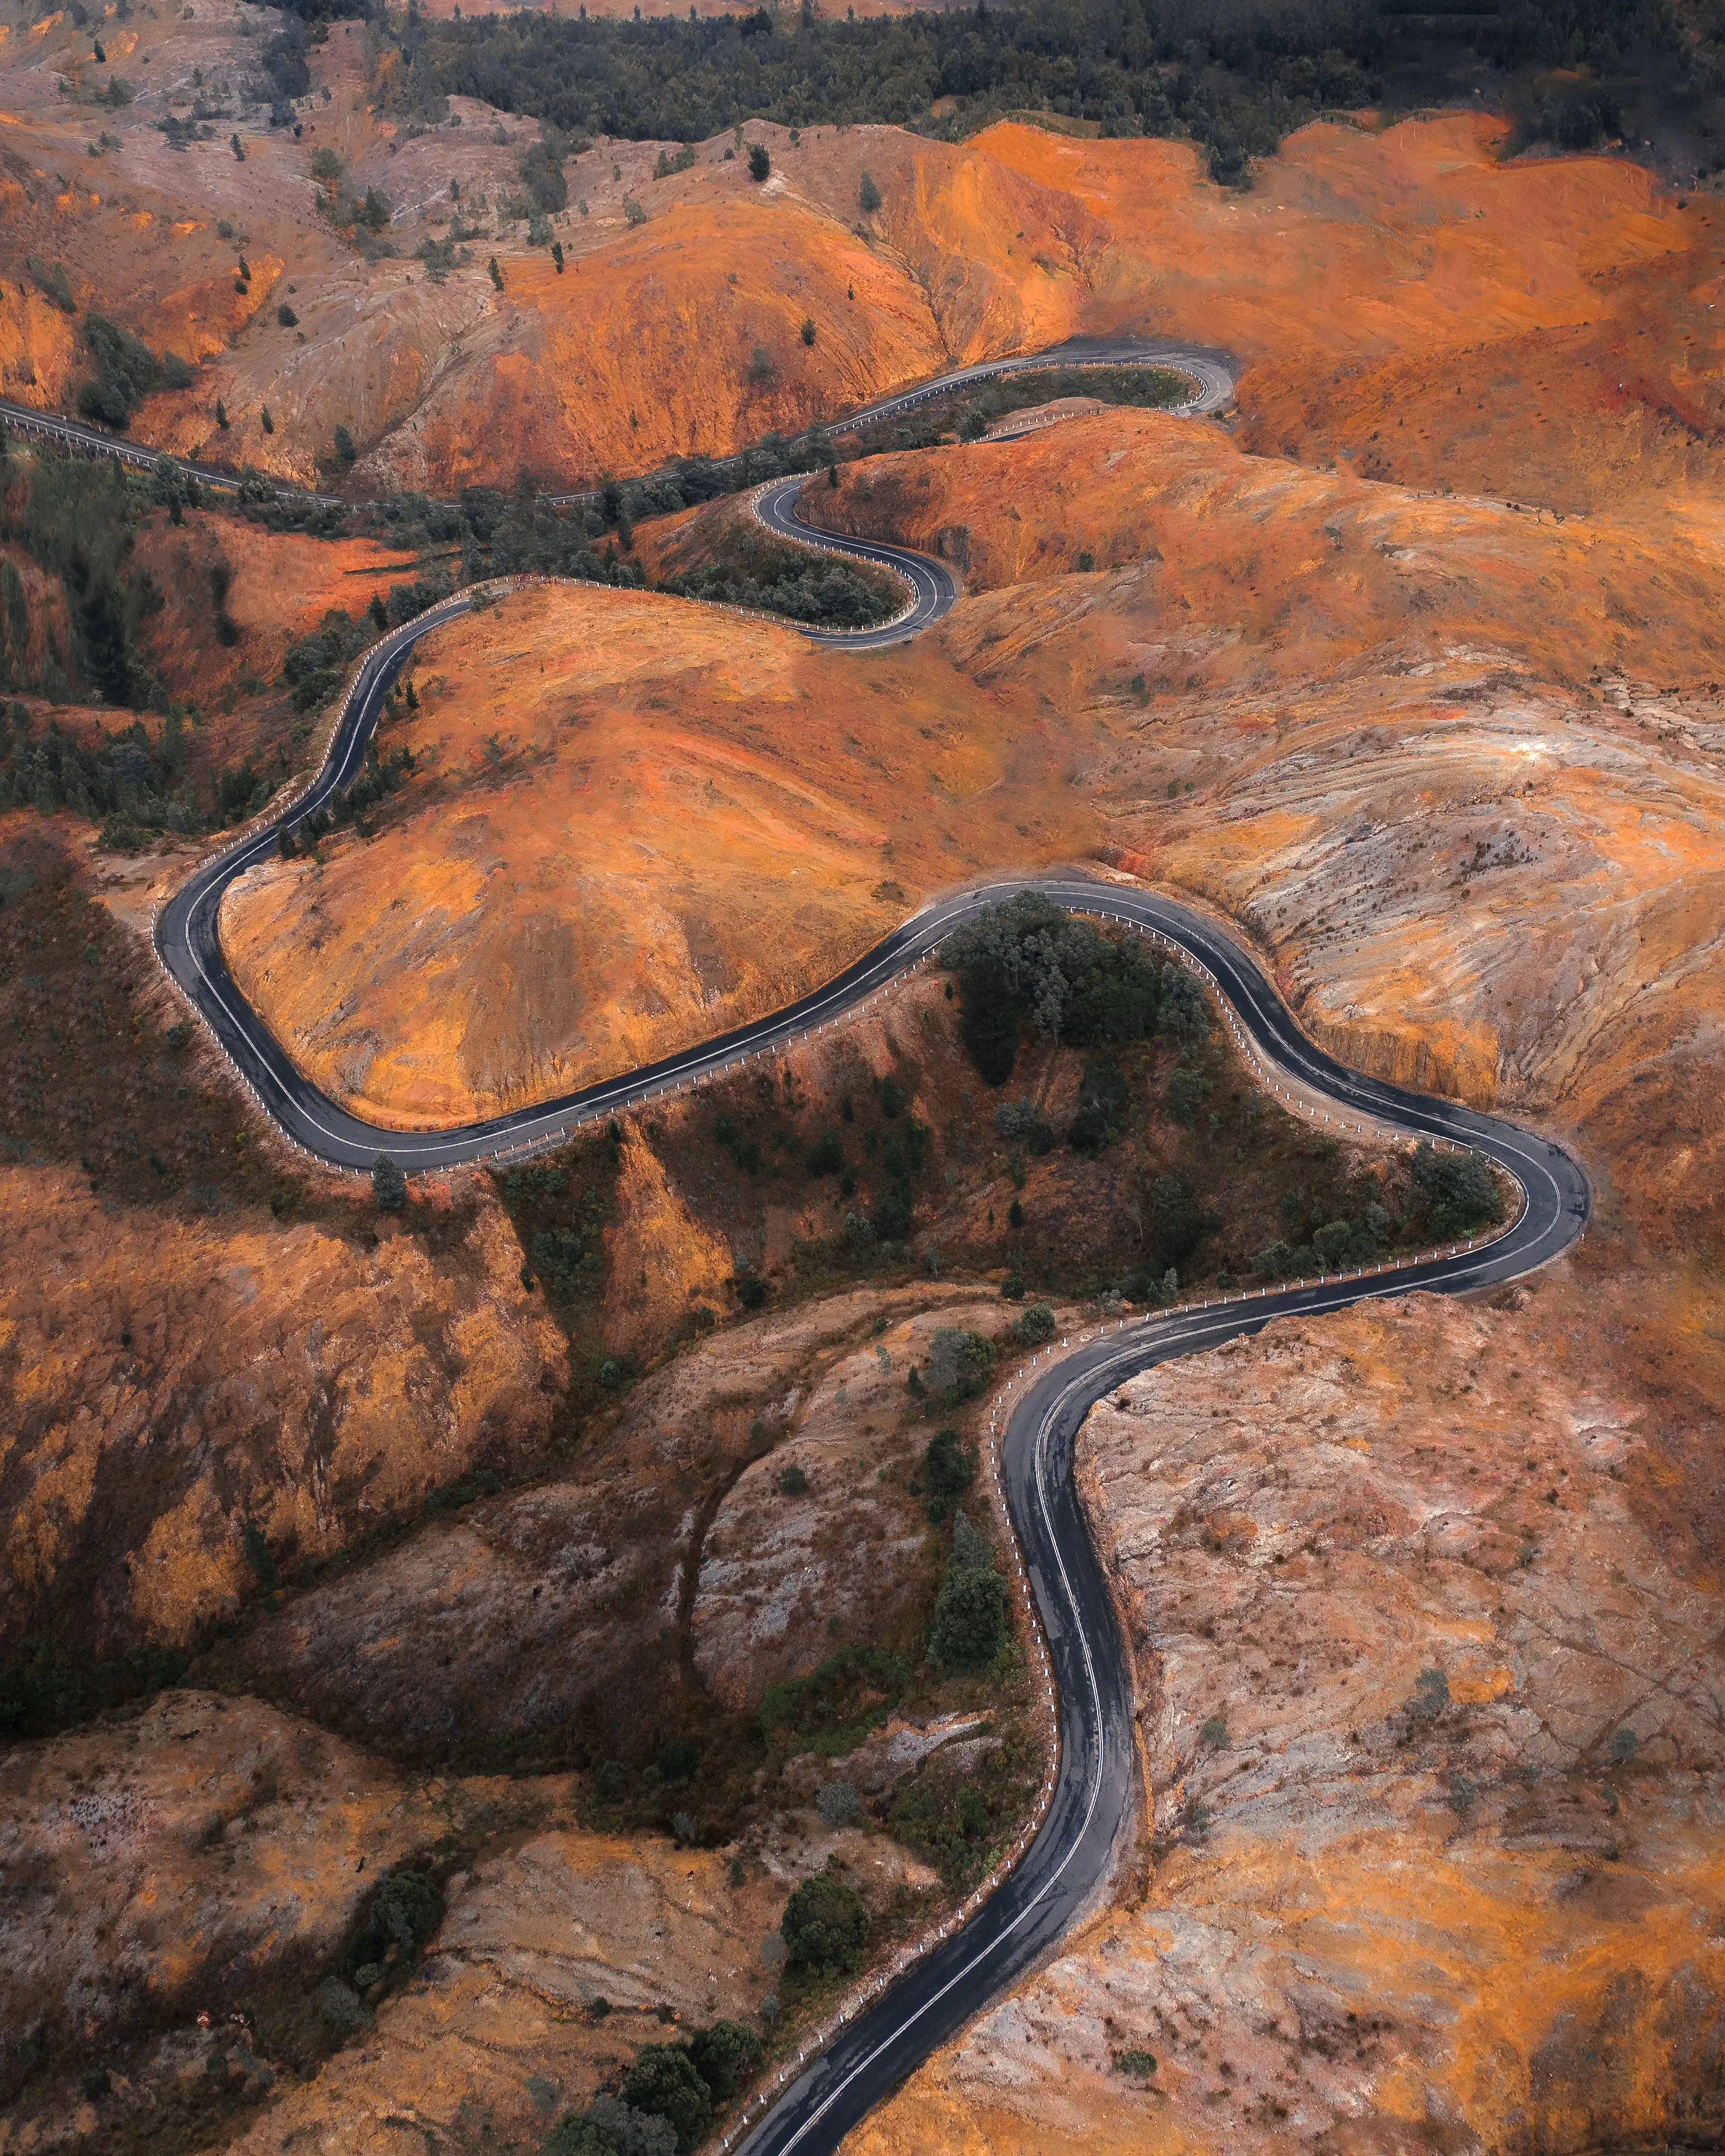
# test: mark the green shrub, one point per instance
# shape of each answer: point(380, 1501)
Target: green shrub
point(664, 2082)
point(726, 2057)
point(760, 164)
point(1431, 1695)
point(868, 196)
point(826, 1156)
point(1035, 1326)
point(970, 1611)
point(405, 1910)
point(340, 2007)
point(1457, 1188)
point(824, 1927)
point(832, 1708)
point(1185, 1094)
point(608, 2128)
point(678, 1761)
point(958, 1364)
point(969, 1619)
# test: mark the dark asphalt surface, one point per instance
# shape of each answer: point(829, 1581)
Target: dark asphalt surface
point(933, 590)
point(1211, 369)
point(1094, 1794)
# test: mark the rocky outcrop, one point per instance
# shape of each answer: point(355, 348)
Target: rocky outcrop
point(1430, 1719)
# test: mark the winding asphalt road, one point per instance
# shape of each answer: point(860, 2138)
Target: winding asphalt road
point(1211, 370)
point(1094, 1792)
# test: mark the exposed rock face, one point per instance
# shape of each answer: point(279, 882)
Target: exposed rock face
point(173, 1381)
point(782, 1569)
point(497, 2036)
point(569, 1599)
point(1431, 1716)
point(176, 1882)
point(186, 1859)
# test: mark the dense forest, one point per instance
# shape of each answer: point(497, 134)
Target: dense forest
point(1233, 77)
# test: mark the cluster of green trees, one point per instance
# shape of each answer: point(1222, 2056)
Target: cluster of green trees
point(48, 1687)
point(893, 1154)
point(1233, 78)
point(668, 2098)
point(752, 570)
point(380, 777)
point(75, 516)
point(126, 372)
point(1451, 1196)
point(384, 1947)
point(1149, 388)
point(1029, 963)
point(127, 774)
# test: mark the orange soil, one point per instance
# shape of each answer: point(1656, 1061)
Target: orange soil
point(1357, 1920)
point(1467, 858)
point(1364, 273)
point(1307, 644)
point(283, 584)
point(165, 1374)
point(692, 814)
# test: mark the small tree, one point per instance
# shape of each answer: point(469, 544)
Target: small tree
point(726, 2057)
point(809, 329)
point(760, 164)
point(557, 256)
point(379, 614)
point(267, 423)
point(948, 1470)
point(344, 445)
point(496, 274)
point(286, 316)
point(824, 1926)
point(868, 196)
point(664, 2080)
point(1036, 1324)
point(970, 1611)
point(389, 1186)
point(221, 415)
point(238, 148)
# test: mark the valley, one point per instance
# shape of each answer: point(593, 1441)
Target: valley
point(445, 1637)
